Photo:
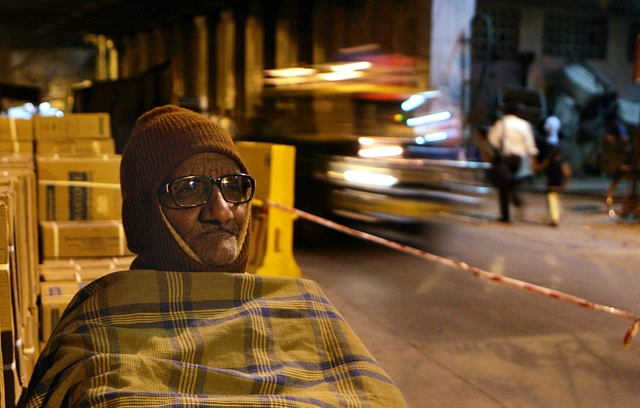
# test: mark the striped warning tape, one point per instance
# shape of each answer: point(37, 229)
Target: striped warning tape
point(541, 290)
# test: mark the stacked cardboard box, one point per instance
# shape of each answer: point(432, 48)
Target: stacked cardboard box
point(16, 136)
point(74, 133)
point(61, 279)
point(79, 204)
point(19, 281)
point(79, 198)
point(11, 378)
point(60, 228)
point(78, 187)
point(79, 209)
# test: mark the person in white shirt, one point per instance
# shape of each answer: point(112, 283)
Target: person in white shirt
point(513, 136)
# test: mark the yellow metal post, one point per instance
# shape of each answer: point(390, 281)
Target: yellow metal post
point(273, 167)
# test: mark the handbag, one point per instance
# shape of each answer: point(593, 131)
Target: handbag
point(504, 166)
point(503, 169)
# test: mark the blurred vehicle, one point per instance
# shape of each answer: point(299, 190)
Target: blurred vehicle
point(372, 143)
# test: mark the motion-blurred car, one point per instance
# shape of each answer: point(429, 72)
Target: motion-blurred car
point(372, 143)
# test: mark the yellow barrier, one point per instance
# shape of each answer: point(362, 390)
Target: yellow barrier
point(273, 167)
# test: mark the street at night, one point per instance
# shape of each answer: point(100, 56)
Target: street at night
point(450, 339)
point(195, 194)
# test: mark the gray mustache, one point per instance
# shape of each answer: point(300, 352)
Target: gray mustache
point(231, 228)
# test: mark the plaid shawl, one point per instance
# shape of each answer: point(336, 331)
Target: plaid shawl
point(144, 338)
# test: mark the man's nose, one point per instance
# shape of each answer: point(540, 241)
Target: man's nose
point(216, 209)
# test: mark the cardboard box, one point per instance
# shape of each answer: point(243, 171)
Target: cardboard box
point(51, 308)
point(8, 201)
point(16, 146)
point(23, 296)
point(103, 145)
point(78, 187)
point(12, 384)
point(7, 328)
point(114, 262)
point(86, 275)
point(16, 129)
point(10, 319)
point(2, 401)
point(78, 239)
point(20, 184)
point(30, 341)
point(73, 125)
point(10, 161)
point(59, 288)
point(4, 234)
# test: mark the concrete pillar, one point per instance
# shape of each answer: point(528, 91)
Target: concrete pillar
point(201, 62)
point(240, 17)
point(101, 58)
point(128, 57)
point(225, 81)
point(323, 32)
point(305, 28)
point(448, 64)
point(270, 14)
point(158, 40)
point(213, 92)
point(176, 53)
point(189, 58)
point(112, 60)
point(286, 40)
point(254, 65)
point(143, 50)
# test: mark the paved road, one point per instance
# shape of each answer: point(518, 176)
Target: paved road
point(451, 340)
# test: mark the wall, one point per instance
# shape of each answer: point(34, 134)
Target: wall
point(616, 67)
point(54, 71)
point(448, 59)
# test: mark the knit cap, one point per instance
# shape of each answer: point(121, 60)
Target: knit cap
point(161, 139)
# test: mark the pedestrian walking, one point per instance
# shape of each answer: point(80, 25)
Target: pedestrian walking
point(556, 168)
point(515, 151)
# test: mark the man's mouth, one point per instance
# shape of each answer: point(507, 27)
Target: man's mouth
point(218, 231)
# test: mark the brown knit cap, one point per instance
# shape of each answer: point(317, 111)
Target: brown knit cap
point(162, 139)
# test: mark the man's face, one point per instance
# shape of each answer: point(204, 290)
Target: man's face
point(210, 230)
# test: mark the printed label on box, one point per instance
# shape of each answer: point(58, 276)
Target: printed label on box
point(78, 197)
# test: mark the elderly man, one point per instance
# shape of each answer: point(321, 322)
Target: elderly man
point(185, 326)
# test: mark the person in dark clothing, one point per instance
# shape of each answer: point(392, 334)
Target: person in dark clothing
point(556, 168)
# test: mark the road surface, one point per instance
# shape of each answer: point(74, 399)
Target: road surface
point(450, 339)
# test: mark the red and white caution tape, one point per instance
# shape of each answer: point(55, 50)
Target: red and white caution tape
point(554, 294)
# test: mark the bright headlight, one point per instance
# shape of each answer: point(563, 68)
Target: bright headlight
point(370, 178)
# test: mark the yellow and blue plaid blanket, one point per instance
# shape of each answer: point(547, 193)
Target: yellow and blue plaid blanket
point(145, 338)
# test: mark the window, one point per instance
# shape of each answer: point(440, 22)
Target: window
point(505, 22)
point(566, 34)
